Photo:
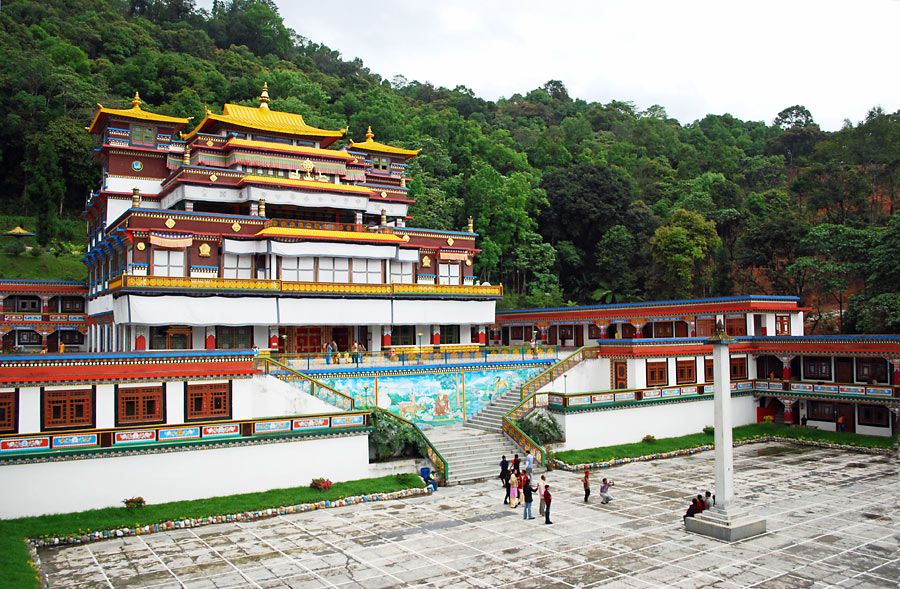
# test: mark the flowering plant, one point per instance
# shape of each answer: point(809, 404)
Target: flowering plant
point(321, 484)
point(134, 502)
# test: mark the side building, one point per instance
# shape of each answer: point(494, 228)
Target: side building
point(252, 230)
point(43, 315)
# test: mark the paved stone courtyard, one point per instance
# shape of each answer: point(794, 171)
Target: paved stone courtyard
point(833, 519)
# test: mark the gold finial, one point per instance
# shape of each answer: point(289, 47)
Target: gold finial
point(383, 218)
point(208, 112)
point(136, 101)
point(471, 226)
point(186, 158)
point(369, 134)
point(135, 198)
point(261, 210)
point(264, 97)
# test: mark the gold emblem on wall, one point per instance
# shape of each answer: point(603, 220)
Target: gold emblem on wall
point(426, 262)
point(468, 261)
point(213, 177)
point(236, 227)
point(383, 194)
point(204, 250)
point(141, 246)
point(406, 238)
point(449, 241)
point(209, 143)
point(170, 222)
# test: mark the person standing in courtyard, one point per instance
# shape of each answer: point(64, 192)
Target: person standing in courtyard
point(548, 498)
point(527, 498)
point(541, 487)
point(516, 463)
point(513, 489)
point(504, 478)
point(529, 464)
point(586, 480)
point(604, 490)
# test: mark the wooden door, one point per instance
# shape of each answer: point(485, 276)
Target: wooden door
point(843, 370)
point(308, 340)
point(620, 375)
point(848, 412)
point(579, 335)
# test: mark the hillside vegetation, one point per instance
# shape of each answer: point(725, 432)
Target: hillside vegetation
point(575, 201)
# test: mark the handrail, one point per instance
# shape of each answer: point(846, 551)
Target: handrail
point(523, 440)
point(337, 398)
point(553, 372)
point(433, 454)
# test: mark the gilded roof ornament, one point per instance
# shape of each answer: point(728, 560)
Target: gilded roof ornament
point(369, 134)
point(136, 101)
point(264, 97)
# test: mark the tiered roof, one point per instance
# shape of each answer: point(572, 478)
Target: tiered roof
point(135, 112)
point(371, 145)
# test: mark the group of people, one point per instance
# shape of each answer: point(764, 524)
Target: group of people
point(699, 504)
point(605, 484)
point(519, 488)
point(357, 349)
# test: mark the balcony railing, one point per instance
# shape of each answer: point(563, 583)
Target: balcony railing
point(266, 285)
point(415, 356)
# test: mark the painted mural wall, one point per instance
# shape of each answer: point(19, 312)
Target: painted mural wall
point(433, 398)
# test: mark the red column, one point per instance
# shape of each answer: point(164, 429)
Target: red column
point(386, 338)
point(140, 343)
point(786, 370)
point(788, 415)
point(210, 342)
point(638, 330)
point(603, 331)
point(435, 335)
point(482, 335)
point(896, 377)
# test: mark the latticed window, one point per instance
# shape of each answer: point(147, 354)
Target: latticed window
point(208, 401)
point(402, 272)
point(708, 370)
point(234, 338)
point(817, 368)
point(136, 405)
point(448, 274)
point(143, 136)
point(782, 325)
point(449, 334)
point(70, 408)
point(334, 270)
point(168, 263)
point(8, 412)
point(871, 370)
point(237, 266)
point(657, 374)
point(706, 327)
point(685, 371)
point(739, 367)
point(366, 271)
point(736, 326)
point(294, 269)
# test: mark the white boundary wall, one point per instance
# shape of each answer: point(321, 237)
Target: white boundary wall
point(593, 429)
point(589, 375)
point(76, 485)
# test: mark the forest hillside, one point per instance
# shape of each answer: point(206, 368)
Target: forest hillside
point(574, 201)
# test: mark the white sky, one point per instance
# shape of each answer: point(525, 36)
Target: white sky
point(750, 58)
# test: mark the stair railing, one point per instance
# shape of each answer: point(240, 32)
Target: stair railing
point(432, 453)
point(318, 389)
point(531, 399)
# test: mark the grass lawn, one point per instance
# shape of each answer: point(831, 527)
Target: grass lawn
point(740, 433)
point(14, 559)
point(43, 267)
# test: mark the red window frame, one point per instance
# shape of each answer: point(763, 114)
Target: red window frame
point(657, 374)
point(207, 401)
point(140, 405)
point(685, 371)
point(738, 368)
point(782, 325)
point(708, 370)
point(67, 409)
point(705, 327)
point(9, 412)
point(736, 326)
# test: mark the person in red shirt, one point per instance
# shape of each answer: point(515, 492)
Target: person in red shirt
point(547, 499)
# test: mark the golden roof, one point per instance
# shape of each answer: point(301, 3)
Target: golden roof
point(311, 184)
point(135, 112)
point(371, 145)
point(328, 234)
point(301, 149)
point(19, 232)
point(263, 118)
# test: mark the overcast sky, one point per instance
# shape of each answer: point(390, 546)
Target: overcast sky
point(750, 58)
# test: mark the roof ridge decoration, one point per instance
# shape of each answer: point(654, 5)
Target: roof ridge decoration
point(371, 145)
point(264, 97)
point(135, 112)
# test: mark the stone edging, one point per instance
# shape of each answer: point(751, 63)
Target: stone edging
point(687, 451)
point(245, 516)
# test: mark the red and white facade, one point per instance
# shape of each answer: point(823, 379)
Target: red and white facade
point(251, 230)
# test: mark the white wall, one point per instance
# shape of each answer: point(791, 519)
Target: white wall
point(592, 429)
point(267, 396)
point(76, 485)
point(589, 375)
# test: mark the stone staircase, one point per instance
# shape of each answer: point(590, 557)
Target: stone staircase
point(473, 450)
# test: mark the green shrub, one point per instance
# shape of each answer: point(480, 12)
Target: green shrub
point(392, 438)
point(15, 247)
point(709, 430)
point(648, 439)
point(541, 428)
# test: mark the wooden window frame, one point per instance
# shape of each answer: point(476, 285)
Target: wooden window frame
point(709, 372)
point(733, 367)
point(88, 422)
point(447, 333)
point(9, 400)
point(705, 326)
point(736, 326)
point(652, 368)
point(516, 332)
point(205, 413)
point(815, 411)
point(144, 393)
point(817, 361)
point(868, 363)
point(782, 325)
point(594, 332)
point(685, 371)
point(864, 419)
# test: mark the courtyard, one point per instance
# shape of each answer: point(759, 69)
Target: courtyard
point(833, 521)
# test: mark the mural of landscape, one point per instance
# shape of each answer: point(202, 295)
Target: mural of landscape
point(434, 398)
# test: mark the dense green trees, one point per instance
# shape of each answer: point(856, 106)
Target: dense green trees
point(574, 201)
